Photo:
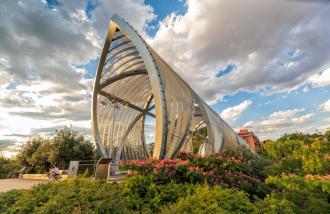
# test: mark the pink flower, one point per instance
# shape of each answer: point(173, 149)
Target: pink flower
point(156, 172)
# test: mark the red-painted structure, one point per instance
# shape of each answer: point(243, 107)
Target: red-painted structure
point(250, 138)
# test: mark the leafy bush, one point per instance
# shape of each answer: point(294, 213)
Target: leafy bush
point(212, 200)
point(140, 194)
point(300, 154)
point(144, 195)
point(308, 184)
point(137, 194)
point(77, 195)
point(309, 194)
point(273, 205)
point(286, 166)
point(283, 148)
point(290, 176)
point(7, 165)
point(3, 169)
point(315, 157)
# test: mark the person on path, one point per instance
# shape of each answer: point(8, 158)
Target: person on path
point(56, 172)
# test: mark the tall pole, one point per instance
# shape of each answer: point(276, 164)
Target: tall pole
point(112, 131)
point(115, 105)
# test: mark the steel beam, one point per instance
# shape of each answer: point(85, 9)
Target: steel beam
point(122, 76)
point(113, 98)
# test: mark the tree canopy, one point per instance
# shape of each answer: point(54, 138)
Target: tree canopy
point(40, 153)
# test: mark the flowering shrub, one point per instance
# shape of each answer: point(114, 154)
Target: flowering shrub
point(223, 169)
point(187, 156)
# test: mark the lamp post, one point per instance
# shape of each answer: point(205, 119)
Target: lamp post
point(116, 104)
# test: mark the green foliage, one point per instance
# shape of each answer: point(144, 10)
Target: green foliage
point(291, 175)
point(300, 154)
point(138, 194)
point(273, 205)
point(309, 194)
point(29, 148)
point(146, 196)
point(306, 184)
point(212, 200)
point(7, 165)
point(3, 169)
point(286, 166)
point(315, 157)
point(298, 136)
point(76, 195)
point(198, 139)
point(39, 154)
point(69, 145)
point(282, 148)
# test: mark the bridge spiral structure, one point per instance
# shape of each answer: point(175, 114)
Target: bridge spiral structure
point(133, 81)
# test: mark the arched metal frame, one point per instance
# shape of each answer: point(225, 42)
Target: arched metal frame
point(131, 80)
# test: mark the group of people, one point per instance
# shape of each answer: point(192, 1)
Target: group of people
point(54, 173)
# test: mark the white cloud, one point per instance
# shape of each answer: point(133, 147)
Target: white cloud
point(326, 106)
point(323, 128)
point(279, 122)
point(321, 79)
point(305, 89)
point(234, 112)
point(49, 91)
point(40, 87)
point(327, 119)
point(278, 54)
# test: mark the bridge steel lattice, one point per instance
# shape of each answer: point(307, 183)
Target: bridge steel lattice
point(133, 81)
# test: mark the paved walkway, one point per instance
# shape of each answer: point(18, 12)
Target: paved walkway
point(14, 183)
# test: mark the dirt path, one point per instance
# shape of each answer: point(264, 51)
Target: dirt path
point(10, 184)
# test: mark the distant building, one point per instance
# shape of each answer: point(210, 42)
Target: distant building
point(250, 138)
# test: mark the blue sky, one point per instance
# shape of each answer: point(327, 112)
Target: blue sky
point(163, 8)
point(270, 75)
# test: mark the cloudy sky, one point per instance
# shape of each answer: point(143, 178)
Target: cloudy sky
point(261, 64)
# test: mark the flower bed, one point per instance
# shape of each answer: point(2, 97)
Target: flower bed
point(227, 171)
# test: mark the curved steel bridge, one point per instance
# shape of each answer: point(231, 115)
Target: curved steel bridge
point(133, 81)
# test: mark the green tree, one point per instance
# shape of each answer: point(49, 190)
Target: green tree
point(28, 149)
point(283, 148)
point(198, 139)
point(3, 169)
point(39, 154)
point(292, 136)
point(315, 157)
point(69, 145)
